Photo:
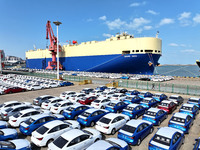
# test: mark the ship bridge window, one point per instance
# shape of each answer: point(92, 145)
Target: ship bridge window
point(133, 51)
point(137, 50)
point(148, 51)
point(156, 51)
point(125, 52)
point(141, 50)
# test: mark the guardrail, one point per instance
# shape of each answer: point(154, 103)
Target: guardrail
point(161, 87)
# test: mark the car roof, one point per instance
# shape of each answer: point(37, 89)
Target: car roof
point(148, 98)
point(135, 123)
point(180, 115)
point(131, 96)
point(174, 95)
point(158, 93)
point(188, 105)
point(91, 110)
point(166, 101)
point(112, 115)
point(76, 105)
point(99, 145)
point(39, 116)
point(44, 96)
point(133, 105)
point(167, 131)
point(118, 93)
point(27, 110)
point(114, 101)
point(54, 98)
point(53, 123)
point(195, 98)
point(154, 110)
point(10, 102)
point(71, 134)
point(63, 102)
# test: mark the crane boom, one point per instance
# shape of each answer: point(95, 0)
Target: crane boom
point(52, 47)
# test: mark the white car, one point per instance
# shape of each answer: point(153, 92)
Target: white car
point(51, 85)
point(111, 122)
point(74, 98)
point(96, 93)
point(34, 87)
point(75, 139)
point(3, 124)
point(17, 144)
point(51, 130)
point(59, 107)
point(118, 96)
point(23, 115)
point(100, 103)
point(8, 132)
point(67, 94)
point(107, 94)
point(9, 104)
point(50, 102)
point(110, 89)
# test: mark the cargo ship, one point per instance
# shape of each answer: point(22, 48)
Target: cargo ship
point(122, 53)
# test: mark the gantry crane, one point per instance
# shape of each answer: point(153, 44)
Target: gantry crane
point(52, 47)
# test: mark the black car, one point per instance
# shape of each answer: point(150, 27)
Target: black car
point(87, 90)
point(121, 91)
point(176, 99)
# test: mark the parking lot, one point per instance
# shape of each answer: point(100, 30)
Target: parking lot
point(30, 95)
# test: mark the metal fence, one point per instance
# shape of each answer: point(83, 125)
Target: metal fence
point(161, 87)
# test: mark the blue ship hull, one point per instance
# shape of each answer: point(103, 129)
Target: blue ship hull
point(130, 63)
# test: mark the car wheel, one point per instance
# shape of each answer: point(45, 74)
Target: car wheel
point(151, 130)
point(166, 116)
point(139, 142)
point(61, 112)
point(10, 92)
point(92, 124)
point(183, 140)
point(113, 131)
point(136, 116)
point(32, 89)
point(76, 117)
point(49, 141)
point(158, 123)
point(102, 107)
point(118, 111)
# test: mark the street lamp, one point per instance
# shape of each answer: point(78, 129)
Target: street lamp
point(57, 23)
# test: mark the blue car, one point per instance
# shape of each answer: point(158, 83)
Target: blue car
point(116, 106)
point(102, 87)
point(149, 102)
point(109, 144)
point(197, 144)
point(132, 99)
point(65, 83)
point(167, 138)
point(144, 94)
point(181, 121)
point(17, 144)
point(91, 116)
point(160, 97)
point(73, 111)
point(31, 124)
point(190, 109)
point(3, 124)
point(155, 115)
point(194, 100)
point(8, 133)
point(134, 110)
point(132, 92)
point(134, 131)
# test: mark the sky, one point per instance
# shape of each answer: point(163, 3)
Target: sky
point(23, 24)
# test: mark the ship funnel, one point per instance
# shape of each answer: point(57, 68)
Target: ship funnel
point(157, 34)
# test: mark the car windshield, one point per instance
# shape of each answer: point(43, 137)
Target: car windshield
point(162, 140)
point(42, 129)
point(172, 97)
point(60, 142)
point(9, 109)
point(113, 143)
point(70, 109)
point(128, 128)
point(145, 101)
point(16, 115)
point(87, 132)
point(38, 98)
point(7, 145)
point(187, 108)
point(47, 101)
point(29, 121)
point(150, 113)
point(57, 105)
point(193, 100)
point(83, 98)
point(111, 104)
point(74, 95)
point(115, 95)
point(85, 114)
point(105, 120)
point(177, 119)
point(96, 101)
point(129, 108)
point(164, 104)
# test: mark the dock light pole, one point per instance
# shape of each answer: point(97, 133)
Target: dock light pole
point(57, 23)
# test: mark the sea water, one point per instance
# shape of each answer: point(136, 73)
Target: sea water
point(178, 70)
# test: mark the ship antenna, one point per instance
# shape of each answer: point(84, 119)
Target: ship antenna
point(157, 34)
